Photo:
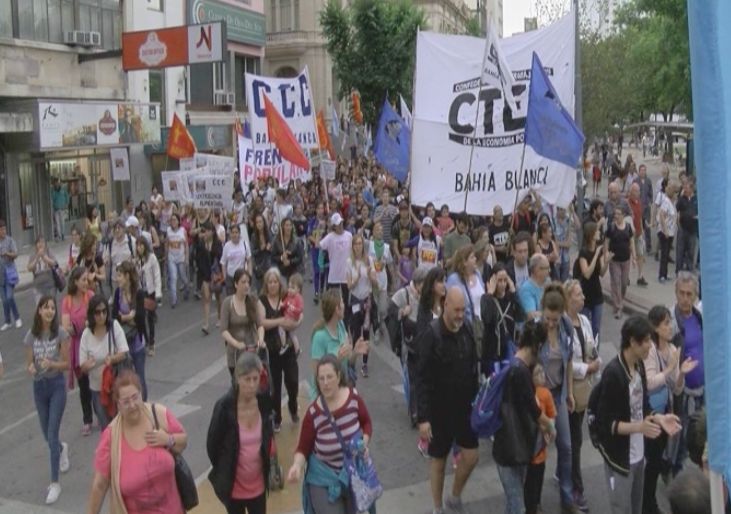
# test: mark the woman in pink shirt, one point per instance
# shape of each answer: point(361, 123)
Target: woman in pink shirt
point(135, 459)
point(239, 438)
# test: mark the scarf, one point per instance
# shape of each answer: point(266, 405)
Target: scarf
point(116, 503)
point(379, 246)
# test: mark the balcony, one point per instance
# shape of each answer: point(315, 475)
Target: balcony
point(292, 43)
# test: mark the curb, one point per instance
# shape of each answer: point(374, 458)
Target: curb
point(630, 306)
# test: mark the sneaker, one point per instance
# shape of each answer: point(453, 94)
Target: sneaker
point(581, 502)
point(54, 491)
point(63, 460)
point(18, 323)
point(423, 447)
point(364, 370)
point(316, 300)
point(295, 418)
point(86, 429)
point(151, 351)
point(454, 503)
point(570, 509)
point(642, 282)
point(277, 428)
point(5, 327)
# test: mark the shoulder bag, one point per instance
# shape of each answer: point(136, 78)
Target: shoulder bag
point(659, 399)
point(365, 487)
point(183, 475)
point(126, 362)
point(11, 274)
point(582, 387)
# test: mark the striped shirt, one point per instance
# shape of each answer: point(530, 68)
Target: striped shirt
point(317, 433)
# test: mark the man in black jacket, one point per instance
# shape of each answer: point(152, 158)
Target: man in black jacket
point(625, 418)
point(447, 384)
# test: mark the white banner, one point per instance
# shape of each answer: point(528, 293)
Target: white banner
point(120, 163)
point(217, 164)
point(293, 99)
point(265, 162)
point(446, 108)
point(210, 191)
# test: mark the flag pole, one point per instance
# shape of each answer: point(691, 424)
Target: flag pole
point(517, 190)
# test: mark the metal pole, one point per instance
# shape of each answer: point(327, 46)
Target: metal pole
point(578, 117)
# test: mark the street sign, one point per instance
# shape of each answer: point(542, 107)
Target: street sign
point(174, 46)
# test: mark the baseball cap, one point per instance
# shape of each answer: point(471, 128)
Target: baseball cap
point(336, 219)
point(132, 221)
point(427, 221)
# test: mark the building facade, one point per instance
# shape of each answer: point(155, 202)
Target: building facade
point(446, 16)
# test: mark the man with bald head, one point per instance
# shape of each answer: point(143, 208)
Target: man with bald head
point(614, 200)
point(531, 292)
point(446, 385)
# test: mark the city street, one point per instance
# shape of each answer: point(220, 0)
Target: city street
point(188, 374)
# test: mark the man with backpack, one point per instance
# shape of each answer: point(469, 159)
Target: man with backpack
point(446, 385)
point(620, 418)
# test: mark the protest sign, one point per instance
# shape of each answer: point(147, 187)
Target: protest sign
point(265, 162)
point(328, 169)
point(174, 185)
point(210, 191)
point(449, 97)
point(120, 163)
point(217, 164)
point(292, 97)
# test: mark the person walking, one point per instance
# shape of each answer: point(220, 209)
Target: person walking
point(445, 390)
point(316, 230)
point(261, 250)
point(91, 259)
point(500, 311)
point(338, 245)
point(8, 278)
point(287, 253)
point(208, 256)
point(60, 202)
point(360, 275)
point(103, 343)
point(176, 250)
point(148, 270)
point(621, 252)
point(235, 255)
point(667, 226)
point(139, 442)
point(41, 265)
point(338, 413)
point(239, 439)
point(46, 359)
point(241, 320)
point(379, 252)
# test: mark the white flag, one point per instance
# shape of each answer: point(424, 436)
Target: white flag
point(495, 69)
point(334, 122)
point(406, 113)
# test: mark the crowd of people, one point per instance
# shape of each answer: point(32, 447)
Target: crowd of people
point(459, 298)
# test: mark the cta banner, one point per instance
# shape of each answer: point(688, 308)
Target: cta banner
point(292, 97)
point(264, 162)
point(467, 142)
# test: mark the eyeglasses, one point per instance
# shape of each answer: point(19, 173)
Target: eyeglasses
point(128, 402)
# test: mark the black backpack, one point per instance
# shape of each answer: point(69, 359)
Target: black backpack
point(592, 415)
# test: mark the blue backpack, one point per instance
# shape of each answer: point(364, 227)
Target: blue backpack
point(485, 418)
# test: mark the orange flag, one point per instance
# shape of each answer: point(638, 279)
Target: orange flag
point(180, 142)
point(357, 113)
point(325, 142)
point(282, 137)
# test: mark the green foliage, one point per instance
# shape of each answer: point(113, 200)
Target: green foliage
point(373, 47)
point(473, 27)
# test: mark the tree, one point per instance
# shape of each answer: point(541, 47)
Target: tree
point(473, 27)
point(373, 47)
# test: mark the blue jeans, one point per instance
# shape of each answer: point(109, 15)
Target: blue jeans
point(563, 445)
point(595, 316)
point(101, 414)
point(175, 270)
point(138, 360)
point(50, 399)
point(512, 479)
point(9, 306)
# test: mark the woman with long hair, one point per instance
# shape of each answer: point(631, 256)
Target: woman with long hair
point(46, 359)
point(360, 275)
point(282, 360)
point(238, 442)
point(468, 279)
point(548, 247)
point(665, 376)
point(41, 265)
point(286, 251)
point(103, 343)
point(135, 455)
point(208, 251)
point(431, 301)
point(74, 307)
point(316, 230)
point(241, 317)
point(586, 363)
point(261, 250)
point(176, 249)
point(92, 261)
point(151, 284)
point(235, 255)
point(621, 252)
point(590, 266)
point(92, 222)
point(336, 403)
point(500, 311)
point(128, 308)
point(556, 357)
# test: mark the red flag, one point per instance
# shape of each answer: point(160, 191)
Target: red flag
point(180, 142)
point(282, 137)
point(323, 136)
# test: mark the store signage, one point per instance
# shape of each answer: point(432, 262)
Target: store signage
point(175, 46)
point(75, 124)
point(242, 25)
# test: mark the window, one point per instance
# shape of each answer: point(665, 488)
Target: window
point(6, 18)
point(242, 66)
point(272, 16)
point(156, 86)
point(285, 15)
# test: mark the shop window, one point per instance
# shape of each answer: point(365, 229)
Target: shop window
point(27, 214)
point(156, 84)
point(68, 173)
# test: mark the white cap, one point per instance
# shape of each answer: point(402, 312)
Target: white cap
point(336, 219)
point(427, 221)
point(132, 221)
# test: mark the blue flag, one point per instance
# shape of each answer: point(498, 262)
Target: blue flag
point(247, 129)
point(393, 140)
point(549, 128)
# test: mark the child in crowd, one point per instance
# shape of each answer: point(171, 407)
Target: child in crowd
point(405, 266)
point(292, 308)
point(537, 468)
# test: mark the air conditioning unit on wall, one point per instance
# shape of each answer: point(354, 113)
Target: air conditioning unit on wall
point(85, 38)
point(220, 98)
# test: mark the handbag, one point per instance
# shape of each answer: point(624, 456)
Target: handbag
point(659, 399)
point(125, 363)
point(183, 475)
point(58, 279)
point(11, 274)
point(365, 487)
point(150, 304)
point(582, 387)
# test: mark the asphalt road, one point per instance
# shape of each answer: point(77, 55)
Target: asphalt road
point(188, 374)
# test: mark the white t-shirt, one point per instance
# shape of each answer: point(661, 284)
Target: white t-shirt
point(521, 275)
point(119, 251)
point(362, 288)
point(636, 441)
point(240, 210)
point(234, 256)
point(91, 346)
point(476, 290)
point(380, 264)
point(671, 216)
point(428, 252)
point(338, 249)
point(176, 244)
